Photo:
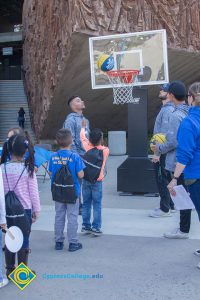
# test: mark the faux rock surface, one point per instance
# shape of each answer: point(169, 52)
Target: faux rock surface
point(49, 27)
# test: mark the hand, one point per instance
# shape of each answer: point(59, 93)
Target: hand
point(35, 169)
point(84, 123)
point(171, 186)
point(35, 216)
point(3, 226)
point(153, 147)
point(155, 158)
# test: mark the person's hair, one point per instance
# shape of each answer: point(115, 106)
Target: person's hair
point(194, 91)
point(72, 98)
point(5, 156)
point(95, 136)
point(17, 146)
point(64, 137)
point(16, 130)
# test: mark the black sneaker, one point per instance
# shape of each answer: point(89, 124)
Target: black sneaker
point(74, 247)
point(86, 230)
point(80, 209)
point(96, 232)
point(59, 245)
point(197, 252)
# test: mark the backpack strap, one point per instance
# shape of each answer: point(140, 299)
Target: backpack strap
point(6, 177)
point(17, 179)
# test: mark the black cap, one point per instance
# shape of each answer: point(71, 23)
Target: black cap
point(72, 98)
point(178, 89)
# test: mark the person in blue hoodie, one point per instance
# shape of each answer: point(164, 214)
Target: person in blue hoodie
point(177, 94)
point(188, 150)
point(73, 122)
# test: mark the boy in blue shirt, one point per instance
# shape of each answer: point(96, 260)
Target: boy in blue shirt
point(75, 166)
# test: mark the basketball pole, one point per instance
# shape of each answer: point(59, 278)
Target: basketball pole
point(136, 174)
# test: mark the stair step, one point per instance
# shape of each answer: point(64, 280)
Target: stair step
point(12, 97)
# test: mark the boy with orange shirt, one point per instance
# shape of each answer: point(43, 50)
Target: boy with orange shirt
point(92, 191)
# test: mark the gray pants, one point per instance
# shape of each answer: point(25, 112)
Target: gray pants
point(72, 224)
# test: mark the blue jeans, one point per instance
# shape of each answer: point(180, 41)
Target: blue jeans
point(92, 196)
point(1, 258)
point(194, 190)
point(26, 236)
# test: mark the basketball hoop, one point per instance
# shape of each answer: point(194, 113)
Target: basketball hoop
point(122, 82)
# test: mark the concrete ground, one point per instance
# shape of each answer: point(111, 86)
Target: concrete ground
point(132, 260)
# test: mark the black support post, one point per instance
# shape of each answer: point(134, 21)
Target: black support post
point(136, 173)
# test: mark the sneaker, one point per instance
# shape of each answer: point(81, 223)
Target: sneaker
point(4, 282)
point(59, 245)
point(176, 234)
point(173, 211)
point(87, 230)
point(158, 213)
point(96, 232)
point(197, 252)
point(74, 247)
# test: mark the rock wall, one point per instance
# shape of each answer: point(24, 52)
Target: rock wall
point(49, 27)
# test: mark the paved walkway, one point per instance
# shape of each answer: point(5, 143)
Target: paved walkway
point(132, 256)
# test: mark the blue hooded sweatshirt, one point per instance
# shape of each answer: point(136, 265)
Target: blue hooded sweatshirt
point(188, 150)
point(73, 122)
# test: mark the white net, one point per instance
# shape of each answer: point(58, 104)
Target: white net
point(122, 82)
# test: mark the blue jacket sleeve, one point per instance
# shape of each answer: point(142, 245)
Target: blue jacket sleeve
point(186, 142)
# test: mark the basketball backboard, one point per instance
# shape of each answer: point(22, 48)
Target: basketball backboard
point(144, 51)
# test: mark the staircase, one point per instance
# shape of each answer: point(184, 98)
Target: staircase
point(12, 97)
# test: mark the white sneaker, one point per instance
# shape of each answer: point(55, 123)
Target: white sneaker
point(4, 282)
point(173, 211)
point(176, 234)
point(197, 252)
point(158, 213)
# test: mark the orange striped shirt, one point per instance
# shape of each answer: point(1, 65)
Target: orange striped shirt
point(87, 146)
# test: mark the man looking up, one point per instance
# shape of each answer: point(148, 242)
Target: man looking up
point(73, 122)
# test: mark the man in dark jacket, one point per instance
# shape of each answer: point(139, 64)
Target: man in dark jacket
point(161, 126)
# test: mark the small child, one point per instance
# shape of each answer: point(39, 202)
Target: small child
point(92, 192)
point(65, 156)
point(3, 281)
point(5, 156)
point(19, 175)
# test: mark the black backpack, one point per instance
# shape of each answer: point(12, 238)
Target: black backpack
point(15, 212)
point(63, 189)
point(93, 160)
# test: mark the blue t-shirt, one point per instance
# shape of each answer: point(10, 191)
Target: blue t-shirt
point(74, 162)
